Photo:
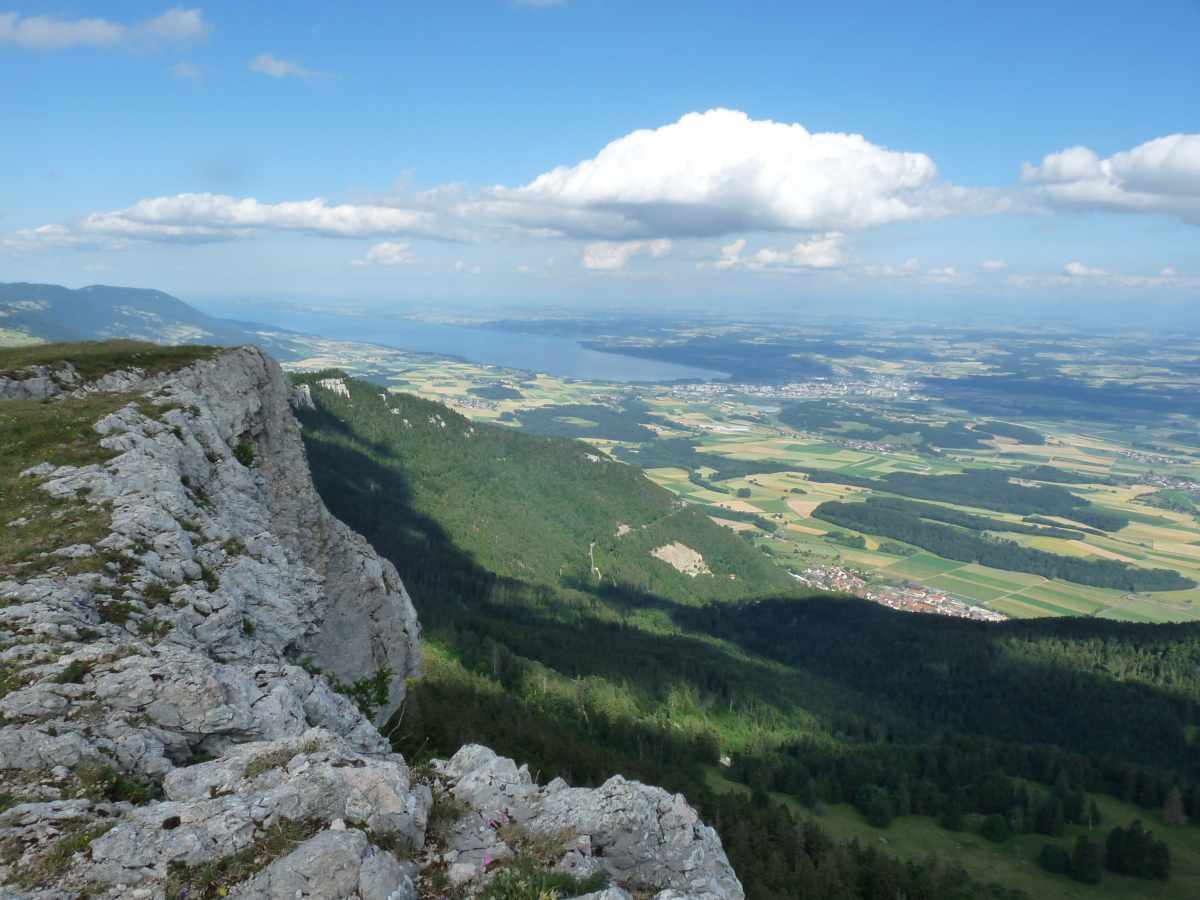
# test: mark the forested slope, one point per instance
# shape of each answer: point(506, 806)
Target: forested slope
point(542, 509)
point(819, 702)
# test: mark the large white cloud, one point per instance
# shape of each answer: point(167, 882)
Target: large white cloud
point(610, 255)
point(1159, 176)
point(720, 171)
point(709, 174)
point(48, 33)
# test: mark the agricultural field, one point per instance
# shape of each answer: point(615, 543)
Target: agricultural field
point(762, 461)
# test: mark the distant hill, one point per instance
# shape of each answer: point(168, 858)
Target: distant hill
point(546, 510)
point(50, 312)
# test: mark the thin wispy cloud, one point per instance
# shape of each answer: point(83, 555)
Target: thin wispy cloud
point(175, 26)
point(269, 64)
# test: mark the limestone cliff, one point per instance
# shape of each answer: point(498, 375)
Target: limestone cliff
point(182, 698)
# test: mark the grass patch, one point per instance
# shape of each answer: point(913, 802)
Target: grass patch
point(62, 434)
point(156, 593)
point(217, 878)
point(74, 672)
point(105, 783)
point(276, 759)
point(93, 359)
point(527, 879)
point(55, 860)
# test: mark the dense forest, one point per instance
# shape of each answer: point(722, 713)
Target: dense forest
point(823, 416)
point(812, 700)
point(984, 489)
point(898, 521)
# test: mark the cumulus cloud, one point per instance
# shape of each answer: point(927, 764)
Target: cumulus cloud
point(993, 265)
point(1160, 176)
point(823, 251)
point(269, 64)
point(720, 171)
point(609, 255)
point(387, 253)
point(709, 174)
point(49, 33)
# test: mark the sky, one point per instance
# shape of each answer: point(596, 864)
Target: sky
point(636, 155)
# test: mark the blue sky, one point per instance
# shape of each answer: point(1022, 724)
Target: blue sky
point(778, 154)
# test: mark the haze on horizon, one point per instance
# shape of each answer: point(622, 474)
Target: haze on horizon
point(591, 155)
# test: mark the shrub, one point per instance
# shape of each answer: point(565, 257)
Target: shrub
point(73, 673)
point(105, 783)
point(155, 593)
point(244, 453)
point(115, 613)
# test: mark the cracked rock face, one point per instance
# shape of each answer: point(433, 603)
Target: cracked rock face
point(194, 630)
point(644, 838)
point(171, 694)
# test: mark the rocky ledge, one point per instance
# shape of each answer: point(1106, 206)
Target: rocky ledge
point(189, 702)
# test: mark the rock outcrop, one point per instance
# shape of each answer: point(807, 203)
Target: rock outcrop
point(191, 701)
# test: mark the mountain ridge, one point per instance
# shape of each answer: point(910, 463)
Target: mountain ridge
point(188, 686)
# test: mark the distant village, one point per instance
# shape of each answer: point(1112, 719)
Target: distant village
point(909, 597)
point(881, 386)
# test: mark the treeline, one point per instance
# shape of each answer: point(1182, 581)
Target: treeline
point(967, 546)
point(1058, 476)
point(738, 515)
point(778, 855)
point(1016, 432)
point(611, 423)
point(969, 520)
point(1108, 690)
point(984, 488)
point(819, 416)
point(681, 453)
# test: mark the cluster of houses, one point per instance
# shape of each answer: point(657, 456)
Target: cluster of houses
point(884, 386)
point(1149, 459)
point(1172, 483)
point(910, 596)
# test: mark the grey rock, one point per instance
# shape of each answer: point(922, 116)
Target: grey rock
point(235, 585)
point(644, 837)
point(332, 865)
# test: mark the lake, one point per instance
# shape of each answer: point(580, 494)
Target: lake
point(540, 353)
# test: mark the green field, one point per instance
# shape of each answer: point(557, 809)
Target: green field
point(1013, 863)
